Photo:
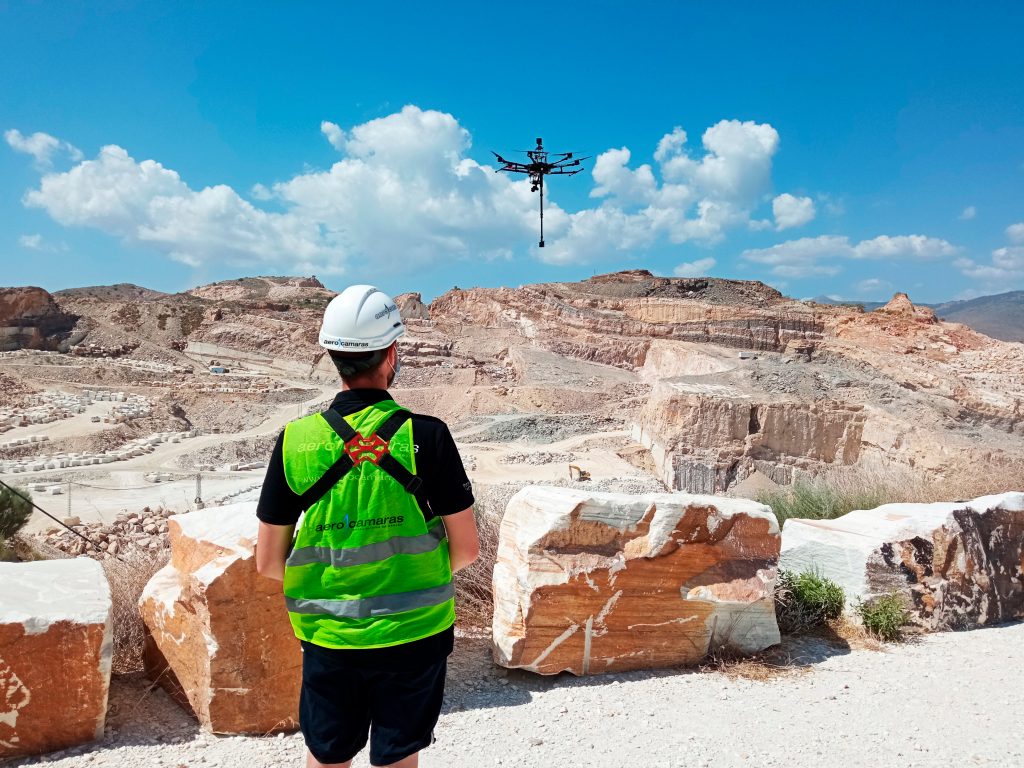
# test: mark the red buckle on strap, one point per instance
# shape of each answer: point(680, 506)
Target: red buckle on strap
point(361, 449)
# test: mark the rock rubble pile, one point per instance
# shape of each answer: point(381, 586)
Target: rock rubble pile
point(144, 531)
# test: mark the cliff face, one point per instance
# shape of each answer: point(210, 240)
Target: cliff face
point(613, 319)
point(31, 319)
point(705, 439)
point(743, 379)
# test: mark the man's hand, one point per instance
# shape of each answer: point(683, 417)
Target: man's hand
point(272, 545)
point(463, 543)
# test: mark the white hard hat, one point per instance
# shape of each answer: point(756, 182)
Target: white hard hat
point(360, 319)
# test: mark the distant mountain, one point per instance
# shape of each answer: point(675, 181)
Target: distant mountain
point(1000, 316)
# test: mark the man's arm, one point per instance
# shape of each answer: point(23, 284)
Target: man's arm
point(463, 543)
point(278, 511)
point(272, 545)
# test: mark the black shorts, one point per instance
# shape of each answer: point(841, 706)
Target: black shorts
point(341, 703)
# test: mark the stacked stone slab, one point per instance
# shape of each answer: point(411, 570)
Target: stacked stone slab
point(55, 655)
point(590, 582)
point(959, 565)
point(218, 637)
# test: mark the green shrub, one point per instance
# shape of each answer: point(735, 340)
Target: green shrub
point(885, 616)
point(806, 600)
point(14, 511)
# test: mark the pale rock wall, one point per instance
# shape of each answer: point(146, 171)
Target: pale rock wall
point(667, 359)
point(704, 438)
point(31, 319)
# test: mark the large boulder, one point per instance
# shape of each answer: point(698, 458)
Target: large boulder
point(55, 655)
point(218, 637)
point(958, 564)
point(590, 582)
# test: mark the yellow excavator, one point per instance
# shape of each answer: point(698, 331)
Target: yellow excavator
point(577, 474)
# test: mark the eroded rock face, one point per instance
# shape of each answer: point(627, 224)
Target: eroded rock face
point(705, 438)
point(411, 306)
point(31, 319)
point(218, 633)
point(590, 582)
point(55, 655)
point(960, 565)
point(614, 318)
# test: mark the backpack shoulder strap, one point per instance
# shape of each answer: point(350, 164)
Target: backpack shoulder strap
point(387, 430)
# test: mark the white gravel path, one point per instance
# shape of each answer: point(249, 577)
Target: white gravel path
point(954, 699)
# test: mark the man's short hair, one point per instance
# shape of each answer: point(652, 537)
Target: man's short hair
point(351, 364)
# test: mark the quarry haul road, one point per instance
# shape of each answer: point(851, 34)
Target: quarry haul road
point(951, 699)
point(121, 485)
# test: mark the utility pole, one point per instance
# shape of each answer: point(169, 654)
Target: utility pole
point(199, 490)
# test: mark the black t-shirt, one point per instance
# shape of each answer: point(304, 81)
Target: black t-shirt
point(445, 487)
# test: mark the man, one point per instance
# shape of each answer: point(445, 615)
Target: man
point(368, 578)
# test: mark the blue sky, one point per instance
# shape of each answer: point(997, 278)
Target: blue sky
point(851, 151)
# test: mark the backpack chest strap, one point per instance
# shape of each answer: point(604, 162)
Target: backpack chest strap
point(358, 449)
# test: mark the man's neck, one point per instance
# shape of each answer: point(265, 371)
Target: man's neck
point(371, 384)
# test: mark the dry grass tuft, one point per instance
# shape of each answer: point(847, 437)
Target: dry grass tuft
point(474, 598)
point(128, 576)
point(771, 664)
point(855, 635)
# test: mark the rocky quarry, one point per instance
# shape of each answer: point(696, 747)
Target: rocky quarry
point(679, 397)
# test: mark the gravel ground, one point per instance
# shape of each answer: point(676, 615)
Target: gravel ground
point(949, 699)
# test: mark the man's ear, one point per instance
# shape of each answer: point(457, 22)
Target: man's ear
point(393, 354)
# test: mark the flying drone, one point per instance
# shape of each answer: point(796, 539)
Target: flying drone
point(562, 164)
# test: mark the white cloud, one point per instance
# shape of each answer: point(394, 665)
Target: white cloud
point(42, 147)
point(145, 203)
point(697, 198)
point(406, 193)
point(613, 177)
point(697, 268)
point(736, 166)
point(904, 247)
point(968, 213)
point(260, 192)
point(39, 243)
point(334, 134)
point(790, 211)
point(803, 257)
point(834, 206)
point(1007, 267)
point(872, 285)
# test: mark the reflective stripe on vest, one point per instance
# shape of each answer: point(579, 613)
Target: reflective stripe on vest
point(367, 569)
point(369, 553)
point(374, 606)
